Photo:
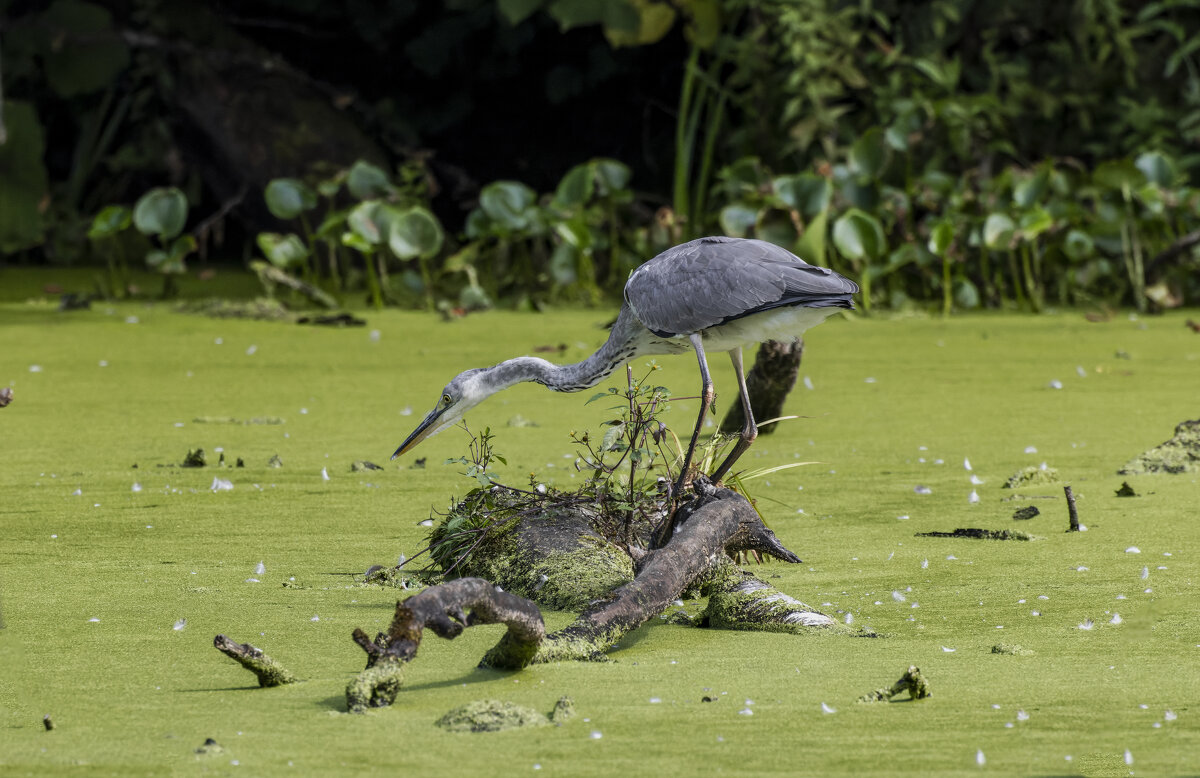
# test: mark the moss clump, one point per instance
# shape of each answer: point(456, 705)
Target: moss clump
point(912, 682)
point(1011, 649)
point(564, 710)
point(1180, 454)
point(1033, 476)
point(375, 687)
point(491, 716)
point(553, 556)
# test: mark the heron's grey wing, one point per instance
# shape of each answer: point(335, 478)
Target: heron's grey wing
point(710, 281)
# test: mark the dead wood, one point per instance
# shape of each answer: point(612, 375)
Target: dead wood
point(716, 523)
point(268, 671)
point(444, 610)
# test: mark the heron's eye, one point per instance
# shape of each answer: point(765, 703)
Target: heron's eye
point(445, 399)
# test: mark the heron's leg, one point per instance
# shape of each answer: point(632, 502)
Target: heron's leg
point(706, 398)
point(750, 429)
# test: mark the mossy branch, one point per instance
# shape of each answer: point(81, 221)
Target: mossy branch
point(268, 671)
point(444, 610)
point(716, 523)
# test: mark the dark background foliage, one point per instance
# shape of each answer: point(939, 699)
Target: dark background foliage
point(881, 136)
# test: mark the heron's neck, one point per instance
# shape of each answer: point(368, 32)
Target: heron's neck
point(616, 351)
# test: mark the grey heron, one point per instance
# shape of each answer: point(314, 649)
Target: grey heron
point(713, 293)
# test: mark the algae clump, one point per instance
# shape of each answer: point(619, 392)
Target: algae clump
point(1180, 454)
point(1033, 476)
point(497, 716)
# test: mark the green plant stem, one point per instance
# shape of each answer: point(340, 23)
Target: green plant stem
point(947, 297)
point(685, 135)
point(426, 282)
point(716, 116)
point(373, 280)
point(1031, 286)
point(1015, 275)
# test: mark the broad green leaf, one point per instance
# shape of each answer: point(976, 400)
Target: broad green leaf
point(1078, 245)
point(473, 297)
point(22, 178)
point(111, 220)
point(287, 198)
point(507, 203)
point(940, 238)
point(738, 219)
point(1157, 167)
point(366, 181)
point(415, 232)
point(332, 225)
point(1151, 196)
point(896, 138)
point(655, 20)
point(1118, 175)
point(807, 193)
point(357, 242)
point(366, 221)
point(811, 245)
point(1028, 191)
point(181, 247)
point(517, 11)
point(170, 261)
point(576, 233)
point(998, 231)
point(282, 250)
point(576, 186)
point(612, 436)
point(576, 13)
point(478, 224)
point(859, 236)
point(461, 259)
point(703, 21)
point(84, 53)
point(621, 17)
point(966, 294)
point(870, 154)
point(611, 176)
point(777, 227)
point(563, 264)
point(1034, 222)
point(161, 212)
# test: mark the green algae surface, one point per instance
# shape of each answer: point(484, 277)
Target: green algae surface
point(117, 566)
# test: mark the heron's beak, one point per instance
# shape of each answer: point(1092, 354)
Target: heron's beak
point(427, 427)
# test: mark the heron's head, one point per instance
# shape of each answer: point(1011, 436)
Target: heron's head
point(462, 394)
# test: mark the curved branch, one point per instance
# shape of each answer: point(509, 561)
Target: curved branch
point(715, 524)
